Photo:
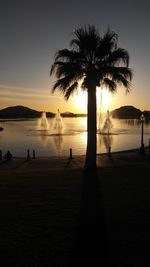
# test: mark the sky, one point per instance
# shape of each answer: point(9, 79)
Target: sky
point(31, 31)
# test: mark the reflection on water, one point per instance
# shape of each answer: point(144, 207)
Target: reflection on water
point(107, 123)
point(57, 125)
point(132, 122)
point(108, 141)
point(18, 136)
point(104, 141)
point(58, 143)
point(44, 138)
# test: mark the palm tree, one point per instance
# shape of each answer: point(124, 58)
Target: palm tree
point(96, 61)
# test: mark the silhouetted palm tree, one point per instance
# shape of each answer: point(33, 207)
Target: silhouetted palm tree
point(96, 61)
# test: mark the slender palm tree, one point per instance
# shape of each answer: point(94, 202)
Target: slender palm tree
point(96, 61)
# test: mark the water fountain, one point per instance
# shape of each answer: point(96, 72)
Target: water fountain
point(107, 123)
point(105, 135)
point(57, 126)
point(57, 132)
point(43, 122)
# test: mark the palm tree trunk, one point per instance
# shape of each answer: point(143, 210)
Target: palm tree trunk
point(91, 130)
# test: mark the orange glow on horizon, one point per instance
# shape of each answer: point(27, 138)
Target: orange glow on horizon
point(103, 100)
point(42, 100)
point(80, 101)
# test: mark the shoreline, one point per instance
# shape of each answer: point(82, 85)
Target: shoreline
point(132, 150)
point(118, 158)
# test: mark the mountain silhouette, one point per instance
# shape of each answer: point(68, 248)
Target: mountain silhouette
point(126, 112)
point(21, 112)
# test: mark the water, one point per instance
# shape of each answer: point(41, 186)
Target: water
point(18, 136)
point(107, 125)
point(57, 124)
point(43, 123)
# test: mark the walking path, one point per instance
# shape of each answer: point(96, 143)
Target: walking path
point(103, 160)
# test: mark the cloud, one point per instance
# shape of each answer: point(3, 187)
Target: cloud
point(9, 92)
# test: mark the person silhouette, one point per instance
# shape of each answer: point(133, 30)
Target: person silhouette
point(8, 155)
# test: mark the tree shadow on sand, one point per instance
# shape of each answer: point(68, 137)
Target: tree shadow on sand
point(91, 247)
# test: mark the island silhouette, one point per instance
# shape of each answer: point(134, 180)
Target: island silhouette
point(16, 112)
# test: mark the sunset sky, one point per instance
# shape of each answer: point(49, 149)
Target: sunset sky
point(31, 31)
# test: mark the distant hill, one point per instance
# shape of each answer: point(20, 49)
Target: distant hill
point(71, 115)
point(126, 112)
point(20, 112)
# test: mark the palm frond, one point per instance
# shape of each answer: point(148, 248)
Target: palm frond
point(67, 68)
point(64, 81)
point(118, 56)
point(61, 84)
point(52, 69)
point(125, 72)
point(121, 80)
point(110, 84)
point(109, 71)
point(70, 90)
point(107, 44)
point(68, 55)
point(86, 39)
point(64, 58)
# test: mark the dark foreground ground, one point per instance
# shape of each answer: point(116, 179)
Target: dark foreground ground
point(54, 214)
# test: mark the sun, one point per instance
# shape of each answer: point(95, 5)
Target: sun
point(81, 100)
point(103, 97)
